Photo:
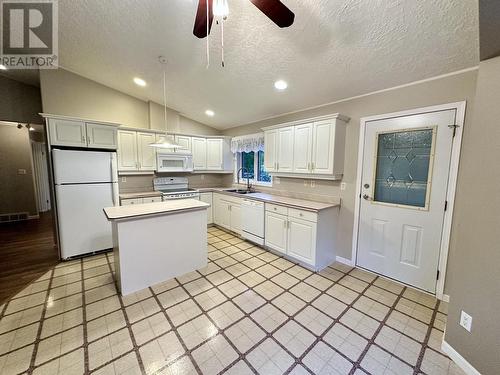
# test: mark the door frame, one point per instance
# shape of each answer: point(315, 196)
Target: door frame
point(460, 107)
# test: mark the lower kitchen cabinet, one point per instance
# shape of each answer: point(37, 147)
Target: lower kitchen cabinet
point(276, 231)
point(305, 236)
point(207, 198)
point(129, 201)
point(227, 212)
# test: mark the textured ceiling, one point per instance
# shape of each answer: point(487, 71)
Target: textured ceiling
point(335, 49)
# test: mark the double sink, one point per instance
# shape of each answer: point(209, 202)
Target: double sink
point(240, 191)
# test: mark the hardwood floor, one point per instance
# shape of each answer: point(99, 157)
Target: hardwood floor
point(27, 250)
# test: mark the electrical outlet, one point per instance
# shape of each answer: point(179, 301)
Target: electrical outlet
point(202, 176)
point(342, 186)
point(313, 183)
point(21, 171)
point(124, 179)
point(466, 321)
point(306, 182)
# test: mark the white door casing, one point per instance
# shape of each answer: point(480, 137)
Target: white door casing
point(397, 238)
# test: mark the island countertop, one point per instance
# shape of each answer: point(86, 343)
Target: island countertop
point(169, 207)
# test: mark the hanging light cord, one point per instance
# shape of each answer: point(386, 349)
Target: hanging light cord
point(222, 41)
point(208, 31)
point(165, 99)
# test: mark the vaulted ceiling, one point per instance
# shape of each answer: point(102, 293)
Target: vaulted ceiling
point(335, 49)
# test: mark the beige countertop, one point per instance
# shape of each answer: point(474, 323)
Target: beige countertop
point(158, 208)
point(144, 194)
point(303, 204)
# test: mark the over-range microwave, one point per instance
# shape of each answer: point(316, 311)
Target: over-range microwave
point(174, 162)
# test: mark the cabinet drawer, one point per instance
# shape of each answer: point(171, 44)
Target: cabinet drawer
point(151, 199)
point(277, 209)
point(126, 202)
point(304, 215)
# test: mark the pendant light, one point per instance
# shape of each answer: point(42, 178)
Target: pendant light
point(165, 142)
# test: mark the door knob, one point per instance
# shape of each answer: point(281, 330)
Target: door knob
point(366, 197)
point(366, 186)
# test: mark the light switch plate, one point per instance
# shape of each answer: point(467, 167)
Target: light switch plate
point(342, 186)
point(313, 183)
point(466, 321)
point(21, 171)
point(124, 179)
point(202, 176)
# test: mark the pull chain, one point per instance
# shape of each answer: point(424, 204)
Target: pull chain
point(222, 41)
point(208, 31)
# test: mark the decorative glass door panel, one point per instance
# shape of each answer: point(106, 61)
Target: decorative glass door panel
point(403, 167)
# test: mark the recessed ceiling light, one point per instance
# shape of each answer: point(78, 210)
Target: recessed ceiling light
point(210, 113)
point(280, 85)
point(3, 67)
point(139, 82)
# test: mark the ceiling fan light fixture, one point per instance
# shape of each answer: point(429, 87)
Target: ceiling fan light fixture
point(280, 85)
point(220, 8)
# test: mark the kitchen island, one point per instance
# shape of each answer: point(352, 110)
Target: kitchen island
point(156, 242)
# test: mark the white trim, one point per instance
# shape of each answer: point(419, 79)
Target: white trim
point(458, 359)
point(446, 298)
point(333, 116)
point(345, 261)
point(451, 74)
point(452, 180)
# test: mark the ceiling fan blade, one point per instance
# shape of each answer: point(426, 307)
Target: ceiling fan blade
point(276, 11)
point(200, 22)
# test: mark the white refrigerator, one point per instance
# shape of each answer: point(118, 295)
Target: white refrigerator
point(85, 183)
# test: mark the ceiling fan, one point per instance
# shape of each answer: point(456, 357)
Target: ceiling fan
point(274, 9)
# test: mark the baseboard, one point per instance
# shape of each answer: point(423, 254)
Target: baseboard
point(445, 298)
point(345, 261)
point(458, 359)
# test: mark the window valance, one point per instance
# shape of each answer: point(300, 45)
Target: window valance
point(248, 143)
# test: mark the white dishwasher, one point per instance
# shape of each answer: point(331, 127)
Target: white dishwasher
point(252, 221)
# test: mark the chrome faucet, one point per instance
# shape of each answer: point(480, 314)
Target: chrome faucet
point(249, 187)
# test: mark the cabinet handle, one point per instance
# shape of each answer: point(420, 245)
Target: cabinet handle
point(312, 167)
point(309, 166)
point(278, 166)
point(285, 224)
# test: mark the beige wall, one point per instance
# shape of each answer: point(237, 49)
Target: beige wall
point(17, 190)
point(66, 93)
point(474, 268)
point(20, 102)
point(444, 90)
point(176, 123)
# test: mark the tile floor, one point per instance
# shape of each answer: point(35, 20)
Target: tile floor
point(248, 312)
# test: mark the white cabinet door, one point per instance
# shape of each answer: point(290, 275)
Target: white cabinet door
point(223, 214)
point(214, 154)
point(67, 133)
point(207, 198)
point(302, 149)
point(185, 142)
point(302, 240)
point(127, 150)
point(285, 149)
point(323, 142)
point(276, 232)
point(235, 218)
point(146, 155)
point(270, 150)
point(199, 153)
point(151, 200)
point(101, 136)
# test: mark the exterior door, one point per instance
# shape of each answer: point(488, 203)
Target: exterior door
point(302, 154)
point(270, 150)
point(285, 149)
point(404, 184)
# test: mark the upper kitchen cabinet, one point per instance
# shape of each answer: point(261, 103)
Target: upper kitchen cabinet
point(79, 133)
point(135, 155)
point(185, 142)
point(212, 154)
point(199, 153)
point(313, 148)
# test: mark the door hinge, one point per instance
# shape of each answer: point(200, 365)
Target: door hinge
point(437, 276)
point(445, 205)
point(454, 127)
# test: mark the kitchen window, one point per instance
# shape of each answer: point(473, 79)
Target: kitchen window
point(253, 168)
